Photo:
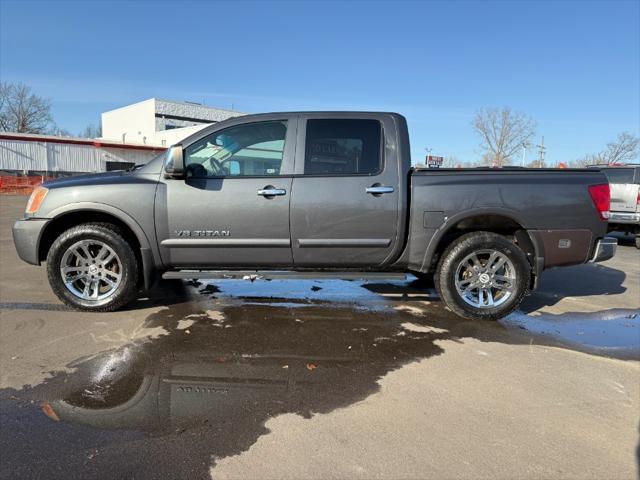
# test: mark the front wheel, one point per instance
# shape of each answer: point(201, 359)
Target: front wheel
point(92, 267)
point(482, 275)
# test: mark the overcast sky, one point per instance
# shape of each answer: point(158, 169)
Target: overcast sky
point(574, 66)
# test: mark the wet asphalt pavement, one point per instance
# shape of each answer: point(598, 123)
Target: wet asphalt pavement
point(320, 379)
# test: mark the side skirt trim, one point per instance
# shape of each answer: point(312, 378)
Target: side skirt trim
point(281, 274)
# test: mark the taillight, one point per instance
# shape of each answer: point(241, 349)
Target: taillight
point(601, 199)
point(638, 199)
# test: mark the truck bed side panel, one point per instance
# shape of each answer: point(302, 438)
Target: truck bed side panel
point(541, 201)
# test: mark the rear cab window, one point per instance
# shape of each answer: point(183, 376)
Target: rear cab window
point(343, 147)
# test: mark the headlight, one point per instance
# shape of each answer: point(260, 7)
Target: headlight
point(35, 200)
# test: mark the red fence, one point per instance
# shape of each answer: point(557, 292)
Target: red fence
point(21, 185)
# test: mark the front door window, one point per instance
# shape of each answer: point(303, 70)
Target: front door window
point(249, 150)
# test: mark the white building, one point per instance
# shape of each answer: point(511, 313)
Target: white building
point(48, 155)
point(131, 135)
point(159, 122)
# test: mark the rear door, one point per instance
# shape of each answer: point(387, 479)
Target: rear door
point(345, 198)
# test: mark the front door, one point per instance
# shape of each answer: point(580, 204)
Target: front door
point(345, 198)
point(232, 209)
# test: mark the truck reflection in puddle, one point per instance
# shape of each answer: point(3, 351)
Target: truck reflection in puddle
point(240, 366)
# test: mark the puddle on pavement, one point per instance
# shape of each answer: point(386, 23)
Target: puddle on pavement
point(614, 332)
point(236, 355)
point(370, 295)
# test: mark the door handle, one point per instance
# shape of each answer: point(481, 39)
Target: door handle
point(270, 191)
point(379, 190)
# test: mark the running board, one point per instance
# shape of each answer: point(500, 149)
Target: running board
point(278, 274)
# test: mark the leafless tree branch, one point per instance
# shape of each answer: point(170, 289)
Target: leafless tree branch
point(22, 111)
point(623, 150)
point(502, 133)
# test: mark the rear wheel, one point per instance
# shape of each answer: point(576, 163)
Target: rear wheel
point(483, 275)
point(92, 267)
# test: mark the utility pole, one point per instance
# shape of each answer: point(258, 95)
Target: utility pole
point(525, 145)
point(541, 152)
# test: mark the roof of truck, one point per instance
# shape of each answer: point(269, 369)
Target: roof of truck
point(273, 115)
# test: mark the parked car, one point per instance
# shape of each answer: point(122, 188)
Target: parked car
point(624, 182)
point(313, 194)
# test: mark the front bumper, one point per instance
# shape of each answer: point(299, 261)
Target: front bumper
point(605, 249)
point(624, 217)
point(26, 238)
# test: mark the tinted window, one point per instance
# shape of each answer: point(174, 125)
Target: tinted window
point(342, 147)
point(253, 149)
point(619, 175)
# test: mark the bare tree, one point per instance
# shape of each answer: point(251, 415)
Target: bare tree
point(4, 95)
point(59, 131)
point(623, 150)
point(91, 131)
point(22, 111)
point(452, 161)
point(591, 159)
point(503, 132)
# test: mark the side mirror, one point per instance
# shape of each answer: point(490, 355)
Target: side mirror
point(174, 162)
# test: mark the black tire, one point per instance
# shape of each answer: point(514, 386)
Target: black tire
point(456, 252)
point(111, 236)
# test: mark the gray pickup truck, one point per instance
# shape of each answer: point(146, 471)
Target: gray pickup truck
point(314, 195)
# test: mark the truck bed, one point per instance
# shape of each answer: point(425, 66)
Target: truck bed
point(552, 204)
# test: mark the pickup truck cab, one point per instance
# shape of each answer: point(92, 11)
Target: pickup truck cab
point(313, 194)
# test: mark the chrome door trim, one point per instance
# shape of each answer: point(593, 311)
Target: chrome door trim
point(343, 242)
point(225, 242)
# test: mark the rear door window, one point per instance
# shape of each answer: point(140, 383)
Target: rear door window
point(343, 147)
point(619, 175)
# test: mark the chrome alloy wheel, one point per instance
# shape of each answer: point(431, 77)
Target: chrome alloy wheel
point(91, 270)
point(485, 279)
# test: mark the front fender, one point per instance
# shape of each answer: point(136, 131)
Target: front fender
point(121, 215)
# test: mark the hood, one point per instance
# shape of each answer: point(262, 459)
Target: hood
point(79, 180)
